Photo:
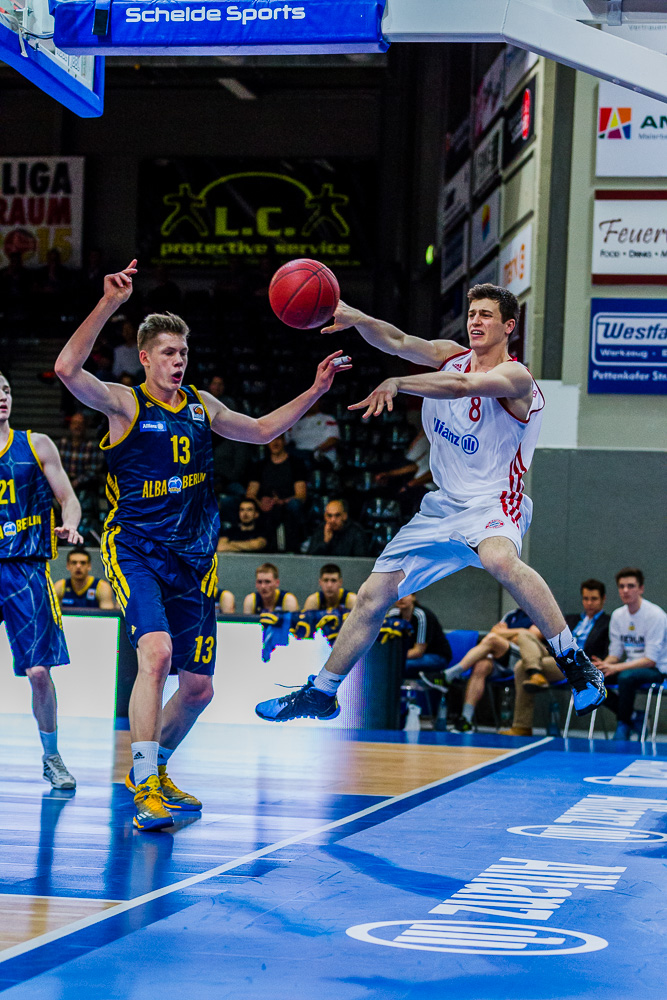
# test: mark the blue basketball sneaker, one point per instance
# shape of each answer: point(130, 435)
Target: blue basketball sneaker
point(306, 702)
point(586, 681)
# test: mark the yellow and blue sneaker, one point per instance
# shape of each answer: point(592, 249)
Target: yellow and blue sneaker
point(174, 798)
point(151, 812)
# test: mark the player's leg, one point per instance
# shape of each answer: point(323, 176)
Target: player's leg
point(179, 715)
point(498, 555)
point(317, 698)
point(481, 671)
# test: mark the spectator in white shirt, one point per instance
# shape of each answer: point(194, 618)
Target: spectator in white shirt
point(637, 649)
point(315, 435)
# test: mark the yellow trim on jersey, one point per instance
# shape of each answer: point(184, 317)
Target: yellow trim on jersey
point(113, 496)
point(10, 439)
point(165, 406)
point(209, 584)
point(198, 395)
point(54, 537)
point(107, 447)
point(53, 598)
point(32, 449)
point(114, 573)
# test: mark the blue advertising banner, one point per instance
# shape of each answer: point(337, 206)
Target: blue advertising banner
point(217, 27)
point(628, 346)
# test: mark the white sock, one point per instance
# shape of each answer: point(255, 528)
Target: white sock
point(451, 673)
point(144, 759)
point(163, 754)
point(562, 642)
point(468, 712)
point(49, 742)
point(328, 682)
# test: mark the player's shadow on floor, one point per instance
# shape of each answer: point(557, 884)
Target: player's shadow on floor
point(423, 883)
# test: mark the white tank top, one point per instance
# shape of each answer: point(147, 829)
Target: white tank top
point(478, 448)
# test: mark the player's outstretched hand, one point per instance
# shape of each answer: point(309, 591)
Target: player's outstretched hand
point(118, 287)
point(378, 399)
point(343, 318)
point(70, 535)
point(327, 369)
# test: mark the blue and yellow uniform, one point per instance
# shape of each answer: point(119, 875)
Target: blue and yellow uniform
point(341, 602)
point(258, 607)
point(28, 602)
point(160, 536)
point(86, 598)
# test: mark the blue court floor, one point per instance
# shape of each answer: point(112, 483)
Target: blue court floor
point(337, 865)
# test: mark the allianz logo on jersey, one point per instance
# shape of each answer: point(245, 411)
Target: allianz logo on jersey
point(195, 13)
point(468, 443)
point(607, 818)
point(152, 425)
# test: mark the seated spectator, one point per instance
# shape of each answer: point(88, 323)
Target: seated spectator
point(166, 296)
point(248, 534)
point(315, 436)
point(429, 649)
point(267, 595)
point(637, 650)
point(537, 669)
point(279, 484)
point(332, 593)
point(226, 602)
point(126, 355)
point(216, 387)
point(82, 462)
point(232, 468)
point(495, 655)
point(413, 478)
point(338, 536)
point(81, 589)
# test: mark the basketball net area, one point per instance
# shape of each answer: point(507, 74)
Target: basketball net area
point(60, 45)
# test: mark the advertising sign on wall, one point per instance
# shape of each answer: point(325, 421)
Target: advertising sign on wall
point(628, 346)
point(630, 238)
point(41, 208)
point(454, 256)
point(485, 228)
point(519, 122)
point(487, 275)
point(631, 134)
point(518, 62)
point(515, 261)
point(456, 197)
point(212, 212)
point(487, 160)
point(489, 98)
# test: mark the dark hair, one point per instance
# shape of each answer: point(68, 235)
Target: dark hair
point(78, 550)
point(268, 568)
point(156, 323)
point(251, 500)
point(630, 571)
point(330, 568)
point(507, 301)
point(594, 585)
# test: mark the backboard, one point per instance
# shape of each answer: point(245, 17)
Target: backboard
point(26, 44)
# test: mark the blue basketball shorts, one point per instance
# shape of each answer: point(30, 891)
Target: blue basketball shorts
point(30, 610)
point(159, 592)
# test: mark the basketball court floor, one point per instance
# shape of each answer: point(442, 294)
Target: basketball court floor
point(337, 864)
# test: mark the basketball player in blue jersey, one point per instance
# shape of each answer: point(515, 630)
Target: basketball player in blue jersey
point(332, 594)
point(31, 474)
point(161, 533)
point(481, 412)
point(82, 589)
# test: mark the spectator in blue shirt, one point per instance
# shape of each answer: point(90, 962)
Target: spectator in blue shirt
point(537, 669)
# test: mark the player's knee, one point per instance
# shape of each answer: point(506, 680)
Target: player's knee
point(155, 657)
point(499, 562)
point(40, 677)
point(196, 697)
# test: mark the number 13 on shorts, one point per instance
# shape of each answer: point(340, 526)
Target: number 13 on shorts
point(204, 647)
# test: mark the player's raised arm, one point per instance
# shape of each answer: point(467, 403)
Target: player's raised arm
point(260, 430)
point(505, 381)
point(390, 339)
point(59, 482)
point(109, 398)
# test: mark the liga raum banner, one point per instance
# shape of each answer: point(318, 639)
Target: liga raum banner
point(41, 207)
point(205, 212)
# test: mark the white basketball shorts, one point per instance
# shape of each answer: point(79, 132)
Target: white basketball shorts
point(442, 537)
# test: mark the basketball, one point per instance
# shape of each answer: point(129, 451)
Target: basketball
point(304, 293)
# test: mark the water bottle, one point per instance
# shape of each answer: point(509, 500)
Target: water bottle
point(553, 725)
point(506, 708)
point(440, 722)
point(412, 723)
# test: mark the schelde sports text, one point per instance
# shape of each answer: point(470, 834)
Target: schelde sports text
point(285, 12)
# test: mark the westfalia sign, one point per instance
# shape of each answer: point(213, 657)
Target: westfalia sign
point(628, 352)
point(631, 134)
point(630, 238)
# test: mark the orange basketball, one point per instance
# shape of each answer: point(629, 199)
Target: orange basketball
point(304, 293)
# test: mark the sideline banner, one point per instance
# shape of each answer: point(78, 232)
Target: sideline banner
point(41, 208)
point(630, 237)
point(217, 27)
point(205, 212)
point(628, 346)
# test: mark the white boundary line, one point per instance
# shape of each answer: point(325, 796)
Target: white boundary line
point(148, 897)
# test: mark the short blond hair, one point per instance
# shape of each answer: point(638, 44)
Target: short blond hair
point(157, 323)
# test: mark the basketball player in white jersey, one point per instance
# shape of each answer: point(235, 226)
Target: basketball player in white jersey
point(482, 414)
